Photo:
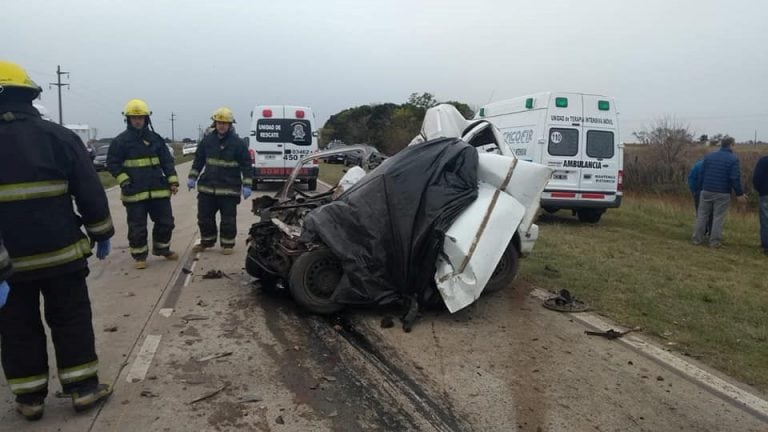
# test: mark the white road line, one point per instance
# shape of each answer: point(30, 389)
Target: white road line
point(166, 312)
point(188, 278)
point(144, 359)
point(687, 369)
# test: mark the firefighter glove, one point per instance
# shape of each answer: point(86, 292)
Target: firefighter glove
point(246, 192)
point(191, 183)
point(4, 288)
point(103, 248)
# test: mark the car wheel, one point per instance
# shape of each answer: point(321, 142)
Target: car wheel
point(312, 184)
point(506, 270)
point(589, 215)
point(313, 279)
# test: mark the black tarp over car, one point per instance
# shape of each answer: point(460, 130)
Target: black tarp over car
point(389, 228)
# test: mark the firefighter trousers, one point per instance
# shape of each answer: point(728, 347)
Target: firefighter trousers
point(159, 210)
point(207, 206)
point(23, 344)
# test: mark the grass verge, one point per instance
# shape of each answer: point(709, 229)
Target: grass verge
point(331, 173)
point(638, 267)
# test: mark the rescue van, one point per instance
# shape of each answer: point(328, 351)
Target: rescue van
point(280, 136)
point(575, 134)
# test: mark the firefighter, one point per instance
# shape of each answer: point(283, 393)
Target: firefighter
point(44, 172)
point(144, 168)
point(223, 165)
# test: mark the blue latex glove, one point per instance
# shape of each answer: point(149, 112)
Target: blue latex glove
point(4, 288)
point(246, 192)
point(191, 183)
point(103, 248)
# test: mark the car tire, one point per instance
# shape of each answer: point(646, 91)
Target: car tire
point(506, 270)
point(312, 184)
point(313, 279)
point(589, 215)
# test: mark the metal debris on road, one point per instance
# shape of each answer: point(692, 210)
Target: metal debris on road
point(329, 378)
point(194, 317)
point(148, 394)
point(215, 274)
point(215, 356)
point(565, 302)
point(209, 395)
point(608, 334)
point(111, 329)
point(186, 270)
point(279, 420)
point(249, 399)
point(387, 322)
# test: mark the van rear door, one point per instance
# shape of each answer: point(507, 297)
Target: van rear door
point(268, 134)
point(563, 142)
point(298, 136)
point(599, 155)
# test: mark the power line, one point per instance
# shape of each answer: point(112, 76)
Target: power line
point(59, 84)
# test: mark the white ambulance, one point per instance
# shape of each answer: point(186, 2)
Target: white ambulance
point(577, 135)
point(281, 135)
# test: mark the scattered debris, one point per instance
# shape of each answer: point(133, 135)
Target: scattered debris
point(333, 413)
point(552, 270)
point(186, 270)
point(329, 378)
point(249, 399)
point(202, 303)
point(209, 395)
point(110, 329)
point(608, 334)
point(194, 317)
point(565, 302)
point(279, 420)
point(148, 394)
point(659, 378)
point(387, 322)
point(215, 274)
point(215, 356)
point(129, 294)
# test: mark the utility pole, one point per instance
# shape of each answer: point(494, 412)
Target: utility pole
point(755, 138)
point(60, 84)
point(173, 119)
point(199, 133)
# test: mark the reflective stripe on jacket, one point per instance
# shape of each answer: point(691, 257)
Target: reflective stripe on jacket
point(43, 166)
point(142, 165)
point(223, 165)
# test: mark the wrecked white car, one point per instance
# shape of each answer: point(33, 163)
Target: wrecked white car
point(438, 223)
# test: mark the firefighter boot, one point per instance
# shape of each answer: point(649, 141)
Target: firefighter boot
point(31, 411)
point(227, 251)
point(172, 256)
point(87, 398)
point(199, 248)
point(140, 264)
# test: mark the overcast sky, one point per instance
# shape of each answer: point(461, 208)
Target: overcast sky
point(703, 61)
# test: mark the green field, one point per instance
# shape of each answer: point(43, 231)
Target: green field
point(638, 267)
point(331, 173)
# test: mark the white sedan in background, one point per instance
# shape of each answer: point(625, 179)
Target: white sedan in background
point(188, 148)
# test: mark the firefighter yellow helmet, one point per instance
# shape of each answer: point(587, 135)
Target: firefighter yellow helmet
point(223, 115)
point(136, 107)
point(13, 75)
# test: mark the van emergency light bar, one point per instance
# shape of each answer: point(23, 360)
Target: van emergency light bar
point(603, 105)
point(561, 102)
point(299, 113)
point(529, 103)
point(266, 113)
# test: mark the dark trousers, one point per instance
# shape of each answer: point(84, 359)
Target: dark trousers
point(23, 340)
point(207, 206)
point(159, 210)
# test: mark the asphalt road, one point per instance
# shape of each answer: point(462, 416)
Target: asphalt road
point(188, 354)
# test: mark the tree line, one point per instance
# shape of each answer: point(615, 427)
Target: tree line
point(387, 126)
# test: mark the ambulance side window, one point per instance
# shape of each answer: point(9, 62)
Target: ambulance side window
point(563, 142)
point(600, 144)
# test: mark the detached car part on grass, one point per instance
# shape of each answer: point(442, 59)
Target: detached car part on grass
point(330, 254)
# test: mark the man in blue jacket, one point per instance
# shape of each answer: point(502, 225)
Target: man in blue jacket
point(694, 178)
point(760, 182)
point(720, 173)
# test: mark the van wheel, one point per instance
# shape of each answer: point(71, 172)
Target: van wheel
point(506, 270)
point(255, 185)
point(550, 210)
point(312, 184)
point(589, 215)
point(313, 279)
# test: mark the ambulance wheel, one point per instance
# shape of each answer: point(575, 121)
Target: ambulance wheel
point(550, 210)
point(589, 215)
point(313, 279)
point(255, 185)
point(312, 184)
point(506, 270)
